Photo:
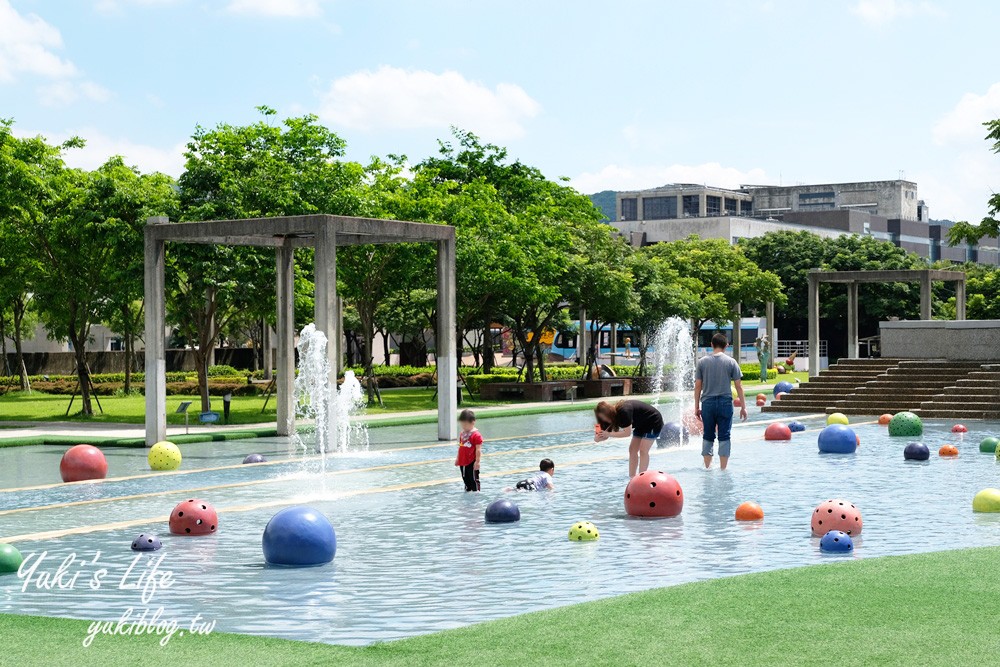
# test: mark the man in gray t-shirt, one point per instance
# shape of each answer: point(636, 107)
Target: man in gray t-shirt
point(713, 398)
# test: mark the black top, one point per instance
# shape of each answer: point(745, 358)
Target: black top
point(642, 417)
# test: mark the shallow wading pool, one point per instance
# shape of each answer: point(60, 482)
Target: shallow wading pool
point(414, 554)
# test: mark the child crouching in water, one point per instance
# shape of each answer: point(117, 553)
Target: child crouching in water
point(541, 481)
point(470, 450)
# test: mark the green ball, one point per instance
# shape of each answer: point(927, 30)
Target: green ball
point(906, 424)
point(583, 531)
point(989, 445)
point(10, 559)
point(987, 500)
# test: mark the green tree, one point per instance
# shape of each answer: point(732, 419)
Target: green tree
point(965, 232)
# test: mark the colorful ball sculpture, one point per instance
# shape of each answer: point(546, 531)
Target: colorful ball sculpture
point(796, 427)
point(959, 428)
point(193, 517)
point(299, 537)
point(837, 439)
point(836, 541)
point(10, 559)
point(987, 500)
point(583, 531)
point(693, 423)
point(916, 451)
point(673, 434)
point(83, 462)
point(836, 515)
point(884, 420)
point(653, 494)
point(782, 387)
point(749, 511)
point(254, 458)
point(906, 424)
point(948, 450)
point(989, 445)
point(164, 456)
point(146, 542)
point(502, 511)
point(777, 431)
point(837, 418)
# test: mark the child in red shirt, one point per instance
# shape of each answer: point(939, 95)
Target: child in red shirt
point(470, 450)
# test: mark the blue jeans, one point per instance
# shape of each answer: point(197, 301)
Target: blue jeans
point(717, 412)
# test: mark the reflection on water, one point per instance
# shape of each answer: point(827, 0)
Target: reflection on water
point(415, 556)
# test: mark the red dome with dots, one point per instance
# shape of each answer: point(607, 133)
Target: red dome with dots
point(193, 517)
point(836, 514)
point(653, 494)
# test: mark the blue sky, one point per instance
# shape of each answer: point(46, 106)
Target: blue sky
point(611, 95)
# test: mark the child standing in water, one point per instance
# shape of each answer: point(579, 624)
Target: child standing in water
point(470, 450)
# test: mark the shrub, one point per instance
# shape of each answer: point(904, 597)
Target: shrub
point(223, 371)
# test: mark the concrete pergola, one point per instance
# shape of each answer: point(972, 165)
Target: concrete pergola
point(853, 278)
point(324, 233)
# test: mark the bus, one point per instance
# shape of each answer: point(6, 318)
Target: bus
point(626, 350)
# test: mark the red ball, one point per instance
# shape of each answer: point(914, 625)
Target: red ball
point(83, 462)
point(836, 515)
point(761, 402)
point(959, 428)
point(653, 494)
point(193, 517)
point(777, 431)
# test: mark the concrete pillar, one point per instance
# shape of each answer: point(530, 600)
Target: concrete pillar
point(325, 310)
point(959, 299)
point(338, 329)
point(446, 358)
point(581, 340)
point(285, 333)
point(737, 341)
point(702, 206)
point(268, 355)
point(813, 309)
point(925, 296)
point(852, 320)
point(155, 336)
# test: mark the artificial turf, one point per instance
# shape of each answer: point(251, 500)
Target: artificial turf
point(928, 609)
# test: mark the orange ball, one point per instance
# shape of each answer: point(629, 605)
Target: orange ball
point(857, 438)
point(948, 450)
point(761, 402)
point(749, 511)
point(884, 420)
point(761, 397)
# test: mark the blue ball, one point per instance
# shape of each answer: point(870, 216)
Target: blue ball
point(673, 433)
point(837, 439)
point(796, 427)
point(782, 387)
point(255, 458)
point(836, 541)
point(502, 511)
point(146, 542)
point(299, 537)
point(916, 451)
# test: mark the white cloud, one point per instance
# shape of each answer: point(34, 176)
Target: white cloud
point(101, 146)
point(619, 177)
point(965, 122)
point(28, 45)
point(394, 98)
point(881, 12)
point(66, 92)
point(282, 8)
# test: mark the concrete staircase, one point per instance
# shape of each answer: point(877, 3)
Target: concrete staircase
point(931, 388)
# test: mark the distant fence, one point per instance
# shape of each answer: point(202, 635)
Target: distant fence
point(62, 363)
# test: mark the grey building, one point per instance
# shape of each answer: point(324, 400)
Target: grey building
point(895, 200)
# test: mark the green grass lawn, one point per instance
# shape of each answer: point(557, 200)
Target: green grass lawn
point(929, 609)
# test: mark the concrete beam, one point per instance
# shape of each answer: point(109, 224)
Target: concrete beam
point(446, 357)
point(285, 331)
point(895, 276)
point(813, 308)
point(155, 336)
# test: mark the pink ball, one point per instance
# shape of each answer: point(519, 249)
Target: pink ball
point(959, 428)
point(777, 431)
point(83, 462)
point(836, 515)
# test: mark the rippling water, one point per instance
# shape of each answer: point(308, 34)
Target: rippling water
point(414, 554)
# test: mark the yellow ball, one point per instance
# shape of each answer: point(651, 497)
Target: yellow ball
point(838, 418)
point(164, 456)
point(584, 531)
